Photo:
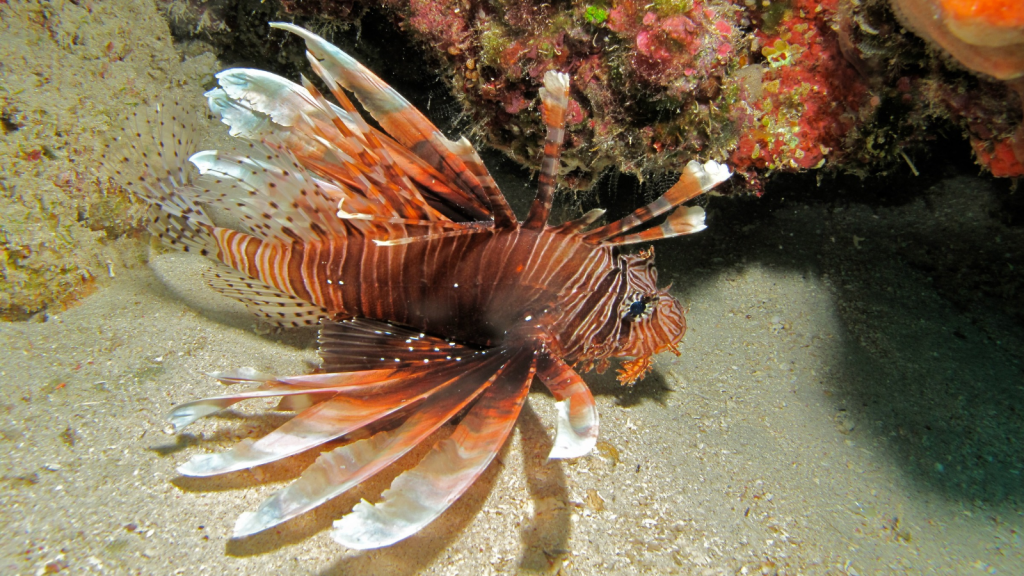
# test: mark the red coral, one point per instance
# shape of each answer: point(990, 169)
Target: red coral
point(998, 157)
point(812, 95)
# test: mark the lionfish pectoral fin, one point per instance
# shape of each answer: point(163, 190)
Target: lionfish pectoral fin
point(325, 385)
point(184, 414)
point(577, 429)
point(554, 103)
point(695, 180)
point(299, 402)
point(351, 408)
point(263, 300)
point(341, 469)
point(420, 495)
point(374, 369)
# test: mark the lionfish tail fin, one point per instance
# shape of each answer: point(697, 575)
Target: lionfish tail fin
point(181, 233)
point(576, 434)
point(150, 157)
point(695, 180)
point(341, 469)
point(420, 495)
point(554, 103)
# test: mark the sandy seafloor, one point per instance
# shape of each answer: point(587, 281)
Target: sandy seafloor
point(831, 413)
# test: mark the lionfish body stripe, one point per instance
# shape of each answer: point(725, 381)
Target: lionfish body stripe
point(492, 280)
point(432, 299)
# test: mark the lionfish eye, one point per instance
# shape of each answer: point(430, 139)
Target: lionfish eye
point(639, 308)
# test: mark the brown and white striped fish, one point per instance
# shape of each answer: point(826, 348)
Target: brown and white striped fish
point(433, 299)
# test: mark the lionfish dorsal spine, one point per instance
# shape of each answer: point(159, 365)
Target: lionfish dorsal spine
point(407, 125)
point(554, 103)
point(695, 180)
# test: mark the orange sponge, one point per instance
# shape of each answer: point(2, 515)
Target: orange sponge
point(986, 36)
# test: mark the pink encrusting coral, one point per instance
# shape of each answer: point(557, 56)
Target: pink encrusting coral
point(671, 46)
point(640, 72)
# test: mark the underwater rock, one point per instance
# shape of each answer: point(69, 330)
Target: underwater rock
point(69, 71)
point(986, 37)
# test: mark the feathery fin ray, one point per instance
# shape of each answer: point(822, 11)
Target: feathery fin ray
point(420, 495)
point(341, 469)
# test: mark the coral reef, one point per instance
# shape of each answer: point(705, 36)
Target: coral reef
point(68, 73)
point(805, 98)
point(777, 85)
point(648, 80)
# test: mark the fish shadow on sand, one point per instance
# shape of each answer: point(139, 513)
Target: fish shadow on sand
point(653, 387)
point(246, 425)
point(178, 278)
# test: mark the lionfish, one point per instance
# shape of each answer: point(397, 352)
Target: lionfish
point(433, 301)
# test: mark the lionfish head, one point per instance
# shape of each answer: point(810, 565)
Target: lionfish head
point(650, 319)
point(644, 321)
